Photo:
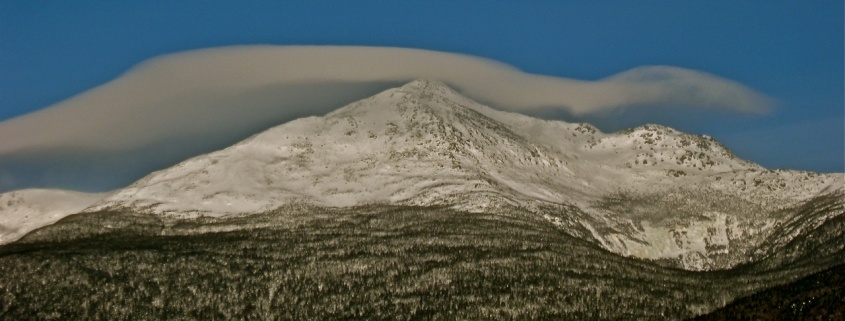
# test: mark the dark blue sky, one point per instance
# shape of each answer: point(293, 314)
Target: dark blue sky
point(791, 51)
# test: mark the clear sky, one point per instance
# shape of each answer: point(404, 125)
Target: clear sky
point(790, 51)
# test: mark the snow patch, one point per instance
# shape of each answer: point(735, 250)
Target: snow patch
point(25, 210)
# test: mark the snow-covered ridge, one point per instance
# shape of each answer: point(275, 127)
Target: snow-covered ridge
point(22, 211)
point(425, 144)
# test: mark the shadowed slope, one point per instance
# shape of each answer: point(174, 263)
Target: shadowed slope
point(356, 263)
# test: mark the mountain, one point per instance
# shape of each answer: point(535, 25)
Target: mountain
point(354, 263)
point(25, 210)
point(418, 203)
point(649, 192)
point(820, 296)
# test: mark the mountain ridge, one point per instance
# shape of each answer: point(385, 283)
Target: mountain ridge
point(425, 144)
point(22, 211)
point(419, 202)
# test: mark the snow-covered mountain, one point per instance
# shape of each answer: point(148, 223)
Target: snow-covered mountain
point(25, 210)
point(650, 192)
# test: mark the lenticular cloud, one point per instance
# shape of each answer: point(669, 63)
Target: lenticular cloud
point(176, 106)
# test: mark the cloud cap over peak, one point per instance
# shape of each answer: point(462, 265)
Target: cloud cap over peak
point(210, 98)
point(672, 85)
point(478, 77)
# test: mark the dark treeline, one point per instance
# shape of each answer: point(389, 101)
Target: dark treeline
point(376, 263)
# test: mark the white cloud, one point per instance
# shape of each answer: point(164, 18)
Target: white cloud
point(209, 96)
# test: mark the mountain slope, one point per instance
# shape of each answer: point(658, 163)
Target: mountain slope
point(820, 296)
point(368, 262)
point(25, 210)
point(650, 192)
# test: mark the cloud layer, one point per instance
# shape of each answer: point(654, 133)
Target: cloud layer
point(176, 106)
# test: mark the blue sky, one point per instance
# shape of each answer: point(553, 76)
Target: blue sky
point(791, 51)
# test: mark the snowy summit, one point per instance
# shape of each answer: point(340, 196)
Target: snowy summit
point(425, 144)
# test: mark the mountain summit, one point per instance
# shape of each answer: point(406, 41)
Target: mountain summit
point(650, 192)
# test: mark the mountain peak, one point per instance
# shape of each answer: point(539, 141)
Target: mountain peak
point(426, 101)
point(426, 89)
point(424, 84)
point(425, 144)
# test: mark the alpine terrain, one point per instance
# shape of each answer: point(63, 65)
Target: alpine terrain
point(419, 203)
